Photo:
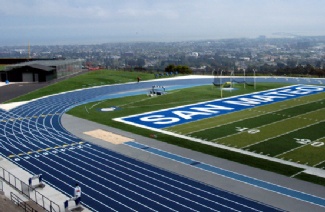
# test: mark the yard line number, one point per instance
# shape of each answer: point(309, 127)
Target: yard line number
point(305, 141)
point(302, 141)
point(250, 131)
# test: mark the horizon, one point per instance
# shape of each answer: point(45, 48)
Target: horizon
point(27, 44)
point(82, 22)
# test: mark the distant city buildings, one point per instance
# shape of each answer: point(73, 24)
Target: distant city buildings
point(264, 54)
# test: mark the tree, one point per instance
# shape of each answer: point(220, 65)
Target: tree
point(170, 68)
point(320, 72)
point(182, 69)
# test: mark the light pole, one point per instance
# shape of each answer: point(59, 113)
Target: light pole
point(220, 83)
point(244, 79)
point(254, 70)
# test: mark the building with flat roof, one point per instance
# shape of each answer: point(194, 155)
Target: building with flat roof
point(40, 70)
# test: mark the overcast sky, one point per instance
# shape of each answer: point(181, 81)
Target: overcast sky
point(100, 21)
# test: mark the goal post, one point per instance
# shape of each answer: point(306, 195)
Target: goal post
point(220, 77)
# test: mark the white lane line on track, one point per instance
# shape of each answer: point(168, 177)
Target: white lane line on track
point(160, 176)
point(81, 175)
point(249, 180)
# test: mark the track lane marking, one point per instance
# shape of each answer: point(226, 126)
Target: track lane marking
point(233, 175)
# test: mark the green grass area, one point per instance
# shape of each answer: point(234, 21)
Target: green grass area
point(287, 142)
point(311, 178)
point(228, 129)
point(273, 130)
point(141, 103)
point(2, 67)
point(229, 134)
point(313, 155)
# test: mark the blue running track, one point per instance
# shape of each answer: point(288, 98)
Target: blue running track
point(32, 137)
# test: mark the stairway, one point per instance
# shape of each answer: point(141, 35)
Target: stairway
point(7, 205)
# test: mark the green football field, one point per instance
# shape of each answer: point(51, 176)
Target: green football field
point(292, 130)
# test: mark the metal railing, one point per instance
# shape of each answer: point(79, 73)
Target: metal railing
point(29, 192)
point(19, 202)
point(1, 185)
